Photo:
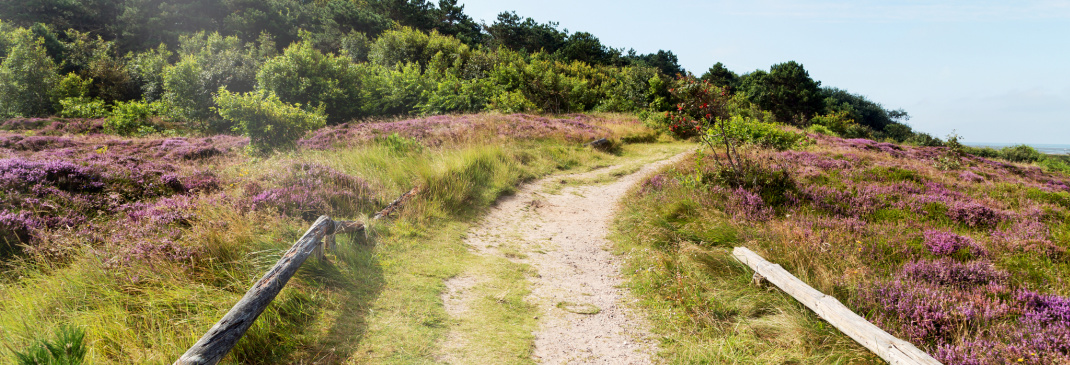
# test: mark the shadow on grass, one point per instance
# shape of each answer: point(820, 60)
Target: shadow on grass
point(355, 276)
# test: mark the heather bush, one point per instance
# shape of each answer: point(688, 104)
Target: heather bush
point(943, 243)
point(974, 214)
point(308, 190)
point(952, 273)
point(269, 122)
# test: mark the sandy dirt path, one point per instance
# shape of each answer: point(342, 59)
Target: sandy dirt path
point(585, 315)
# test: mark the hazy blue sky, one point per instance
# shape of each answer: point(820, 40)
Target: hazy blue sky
point(995, 71)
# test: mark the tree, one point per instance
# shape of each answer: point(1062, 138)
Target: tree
point(269, 122)
point(585, 47)
point(453, 21)
point(861, 109)
point(664, 61)
point(306, 76)
point(524, 34)
point(786, 90)
point(27, 77)
point(719, 75)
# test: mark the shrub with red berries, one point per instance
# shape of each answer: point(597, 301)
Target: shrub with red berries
point(699, 105)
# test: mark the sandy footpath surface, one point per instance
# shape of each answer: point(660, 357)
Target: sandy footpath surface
point(561, 232)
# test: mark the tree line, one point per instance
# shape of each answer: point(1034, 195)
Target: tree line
point(150, 65)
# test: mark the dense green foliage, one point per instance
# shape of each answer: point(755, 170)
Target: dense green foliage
point(359, 60)
point(269, 122)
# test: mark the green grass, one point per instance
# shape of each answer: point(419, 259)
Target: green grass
point(701, 300)
point(376, 300)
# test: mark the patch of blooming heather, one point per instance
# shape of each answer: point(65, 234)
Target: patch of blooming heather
point(929, 314)
point(948, 272)
point(1028, 235)
point(36, 143)
point(930, 247)
point(59, 189)
point(747, 205)
point(974, 214)
point(657, 182)
point(308, 190)
point(433, 131)
point(942, 243)
point(971, 176)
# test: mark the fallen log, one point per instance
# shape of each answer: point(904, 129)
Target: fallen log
point(888, 347)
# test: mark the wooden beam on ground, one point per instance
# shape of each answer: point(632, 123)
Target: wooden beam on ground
point(888, 347)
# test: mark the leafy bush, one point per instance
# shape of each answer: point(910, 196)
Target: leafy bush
point(1021, 153)
point(986, 152)
point(129, 118)
point(268, 121)
point(27, 77)
point(208, 63)
point(306, 76)
point(407, 45)
point(147, 69)
point(451, 93)
point(82, 107)
point(396, 91)
point(750, 131)
point(841, 124)
point(73, 86)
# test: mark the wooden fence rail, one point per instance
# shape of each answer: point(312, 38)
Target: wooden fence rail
point(222, 337)
point(888, 347)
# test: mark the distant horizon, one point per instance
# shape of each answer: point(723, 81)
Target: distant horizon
point(985, 69)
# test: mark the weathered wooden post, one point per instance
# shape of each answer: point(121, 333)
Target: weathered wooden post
point(225, 334)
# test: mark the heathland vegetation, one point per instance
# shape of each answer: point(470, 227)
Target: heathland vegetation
point(157, 156)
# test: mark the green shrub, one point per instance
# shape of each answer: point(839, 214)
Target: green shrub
point(306, 76)
point(750, 131)
point(820, 129)
point(1056, 163)
point(269, 122)
point(396, 91)
point(454, 94)
point(27, 77)
point(147, 69)
point(208, 63)
point(408, 45)
point(400, 145)
point(82, 107)
point(986, 152)
point(68, 348)
point(73, 86)
point(511, 102)
point(1021, 153)
point(130, 118)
